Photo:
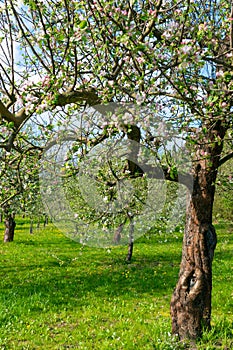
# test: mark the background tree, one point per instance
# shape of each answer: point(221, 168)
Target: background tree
point(223, 203)
point(103, 194)
point(174, 55)
point(19, 183)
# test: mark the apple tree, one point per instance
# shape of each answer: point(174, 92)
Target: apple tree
point(58, 58)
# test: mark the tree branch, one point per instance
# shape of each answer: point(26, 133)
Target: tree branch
point(85, 95)
point(155, 173)
point(17, 119)
point(8, 199)
point(9, 143)
point(225, 159)
point(218, 61)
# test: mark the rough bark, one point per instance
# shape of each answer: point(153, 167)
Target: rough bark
point(130, 251)
point(191, 300)
point(9, 228)
point(134, 135)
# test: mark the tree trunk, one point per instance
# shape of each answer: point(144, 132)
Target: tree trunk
point(131, 240)
point(9, 228)
point(31, 227)
point(191, 300)
point(46, 220)
point(38, 223)
point(130, 251)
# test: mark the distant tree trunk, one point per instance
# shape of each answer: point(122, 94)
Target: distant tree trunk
point(131, 240)
point(191, 300)
point(46, 220)
point(31, 227)
point(9, 228)
point(117, 233)
point(134, 135)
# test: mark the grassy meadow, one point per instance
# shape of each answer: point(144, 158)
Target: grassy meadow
point(56, 294)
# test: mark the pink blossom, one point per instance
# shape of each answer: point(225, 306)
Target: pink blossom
point(167, 34)
point(202, 26)
point(128, 118)
point(202, 152)
point(153, 13)
point(186, 41)
point(186, 49)
point(140, 60)
point(219, 73)
point(46, 81)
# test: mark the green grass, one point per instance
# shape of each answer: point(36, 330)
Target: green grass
point(56, 294)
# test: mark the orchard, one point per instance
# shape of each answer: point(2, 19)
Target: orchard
point(172, 59)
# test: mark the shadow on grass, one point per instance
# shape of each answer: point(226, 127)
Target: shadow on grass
point(65, 282)
point(71, 273)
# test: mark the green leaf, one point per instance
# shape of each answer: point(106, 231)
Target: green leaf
point(204, 129)
point(173, 172)
point(83, 24)
point(11, 125)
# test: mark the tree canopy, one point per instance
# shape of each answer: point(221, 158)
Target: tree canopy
point(59, 57)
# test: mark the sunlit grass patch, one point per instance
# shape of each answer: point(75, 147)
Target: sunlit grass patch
point(56, 294)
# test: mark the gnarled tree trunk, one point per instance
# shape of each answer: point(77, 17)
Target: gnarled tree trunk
point(191, 300)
